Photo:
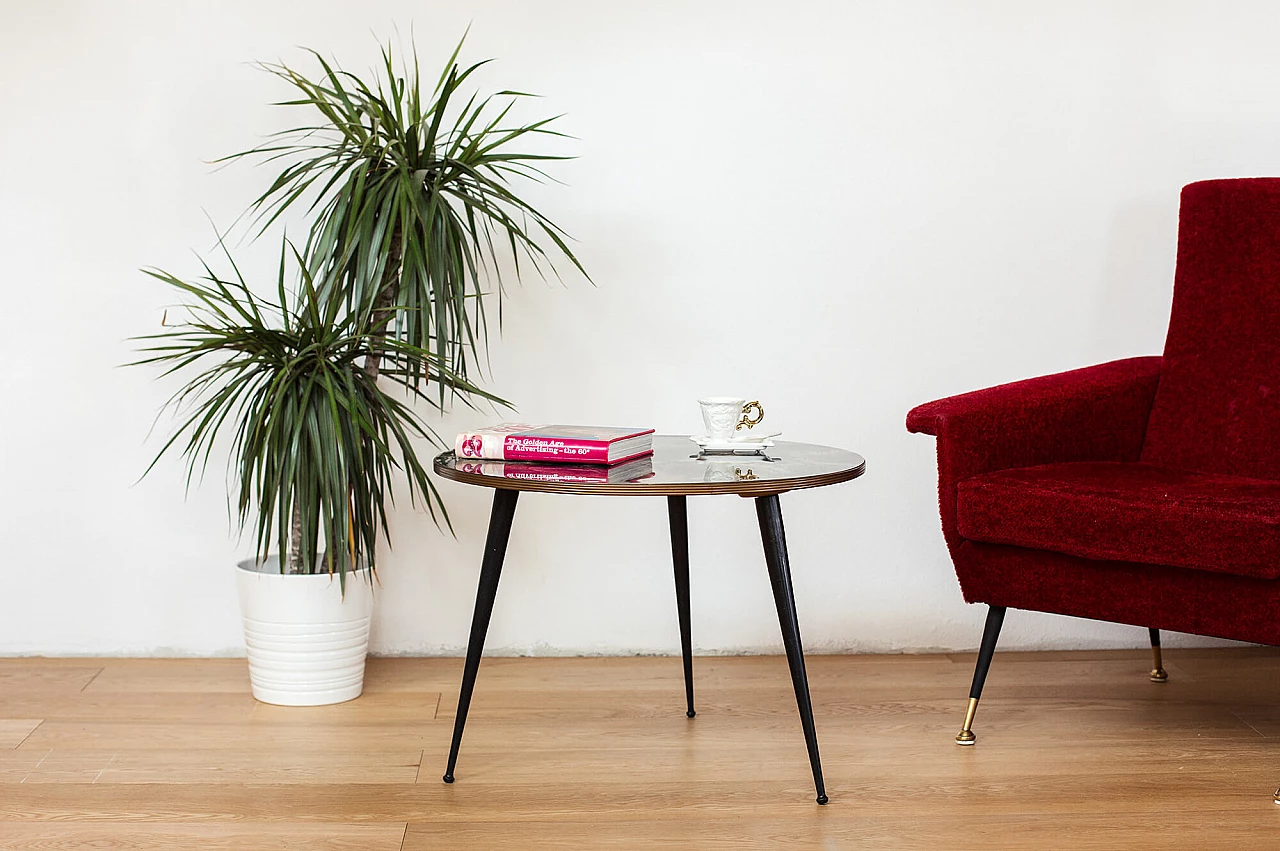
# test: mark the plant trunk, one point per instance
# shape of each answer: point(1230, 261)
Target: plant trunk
point(384, 303)
point(294, 565)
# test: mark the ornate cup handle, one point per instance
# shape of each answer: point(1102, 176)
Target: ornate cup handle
point(746, 415)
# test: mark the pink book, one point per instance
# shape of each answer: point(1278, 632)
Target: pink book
point(565, 444)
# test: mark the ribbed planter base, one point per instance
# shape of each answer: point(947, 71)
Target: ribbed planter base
point(306, 641)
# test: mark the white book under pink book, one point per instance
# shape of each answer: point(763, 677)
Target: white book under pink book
point(566, 444)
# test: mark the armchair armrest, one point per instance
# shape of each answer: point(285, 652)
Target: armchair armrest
point(1098, 413)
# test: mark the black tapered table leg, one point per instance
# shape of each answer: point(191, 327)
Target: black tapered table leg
point(495, 549)
point(678, 512)
point(769, 512)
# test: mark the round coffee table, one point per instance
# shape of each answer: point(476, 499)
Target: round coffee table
point(676, 471)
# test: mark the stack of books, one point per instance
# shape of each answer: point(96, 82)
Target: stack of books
point(557, 453)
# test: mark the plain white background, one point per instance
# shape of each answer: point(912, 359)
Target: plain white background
point(843, 209)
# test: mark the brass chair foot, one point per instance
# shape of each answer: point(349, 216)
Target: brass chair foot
point(966, 737)
point(1158, 673)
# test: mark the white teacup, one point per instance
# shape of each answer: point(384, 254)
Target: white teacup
point(724, 416)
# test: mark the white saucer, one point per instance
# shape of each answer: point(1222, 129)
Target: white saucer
point(754, 446)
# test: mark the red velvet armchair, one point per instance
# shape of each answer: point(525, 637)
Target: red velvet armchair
point(1144, 491)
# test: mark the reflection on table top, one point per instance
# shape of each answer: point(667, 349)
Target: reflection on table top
point(675, 469)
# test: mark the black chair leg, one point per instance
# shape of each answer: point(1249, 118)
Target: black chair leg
point(495, 550)
point(990, 634)
point(1158, 673)
point(678, 512)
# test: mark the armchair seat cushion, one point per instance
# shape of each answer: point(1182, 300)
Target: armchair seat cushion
point(1129, 512)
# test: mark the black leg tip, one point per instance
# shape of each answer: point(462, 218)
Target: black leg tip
point(690, 714)
point(448, 778)
point(822, 799)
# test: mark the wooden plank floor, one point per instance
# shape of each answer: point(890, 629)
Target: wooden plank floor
point(1075, 751)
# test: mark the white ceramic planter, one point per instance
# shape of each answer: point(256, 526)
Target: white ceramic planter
point(306, 641)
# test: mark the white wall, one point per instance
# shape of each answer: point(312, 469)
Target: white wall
point(844, 209)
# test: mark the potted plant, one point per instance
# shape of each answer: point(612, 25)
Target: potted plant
point(412, 210)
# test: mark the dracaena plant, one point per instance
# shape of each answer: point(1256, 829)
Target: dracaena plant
point(409, 198)
point(315, 439)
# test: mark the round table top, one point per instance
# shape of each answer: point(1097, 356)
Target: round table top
point(674, 469)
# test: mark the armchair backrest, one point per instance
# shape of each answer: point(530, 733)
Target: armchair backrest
point(1217, 407)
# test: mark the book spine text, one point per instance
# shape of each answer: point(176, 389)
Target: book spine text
point(517, 448)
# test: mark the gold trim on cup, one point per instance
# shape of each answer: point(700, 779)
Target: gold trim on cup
point(746, 416)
